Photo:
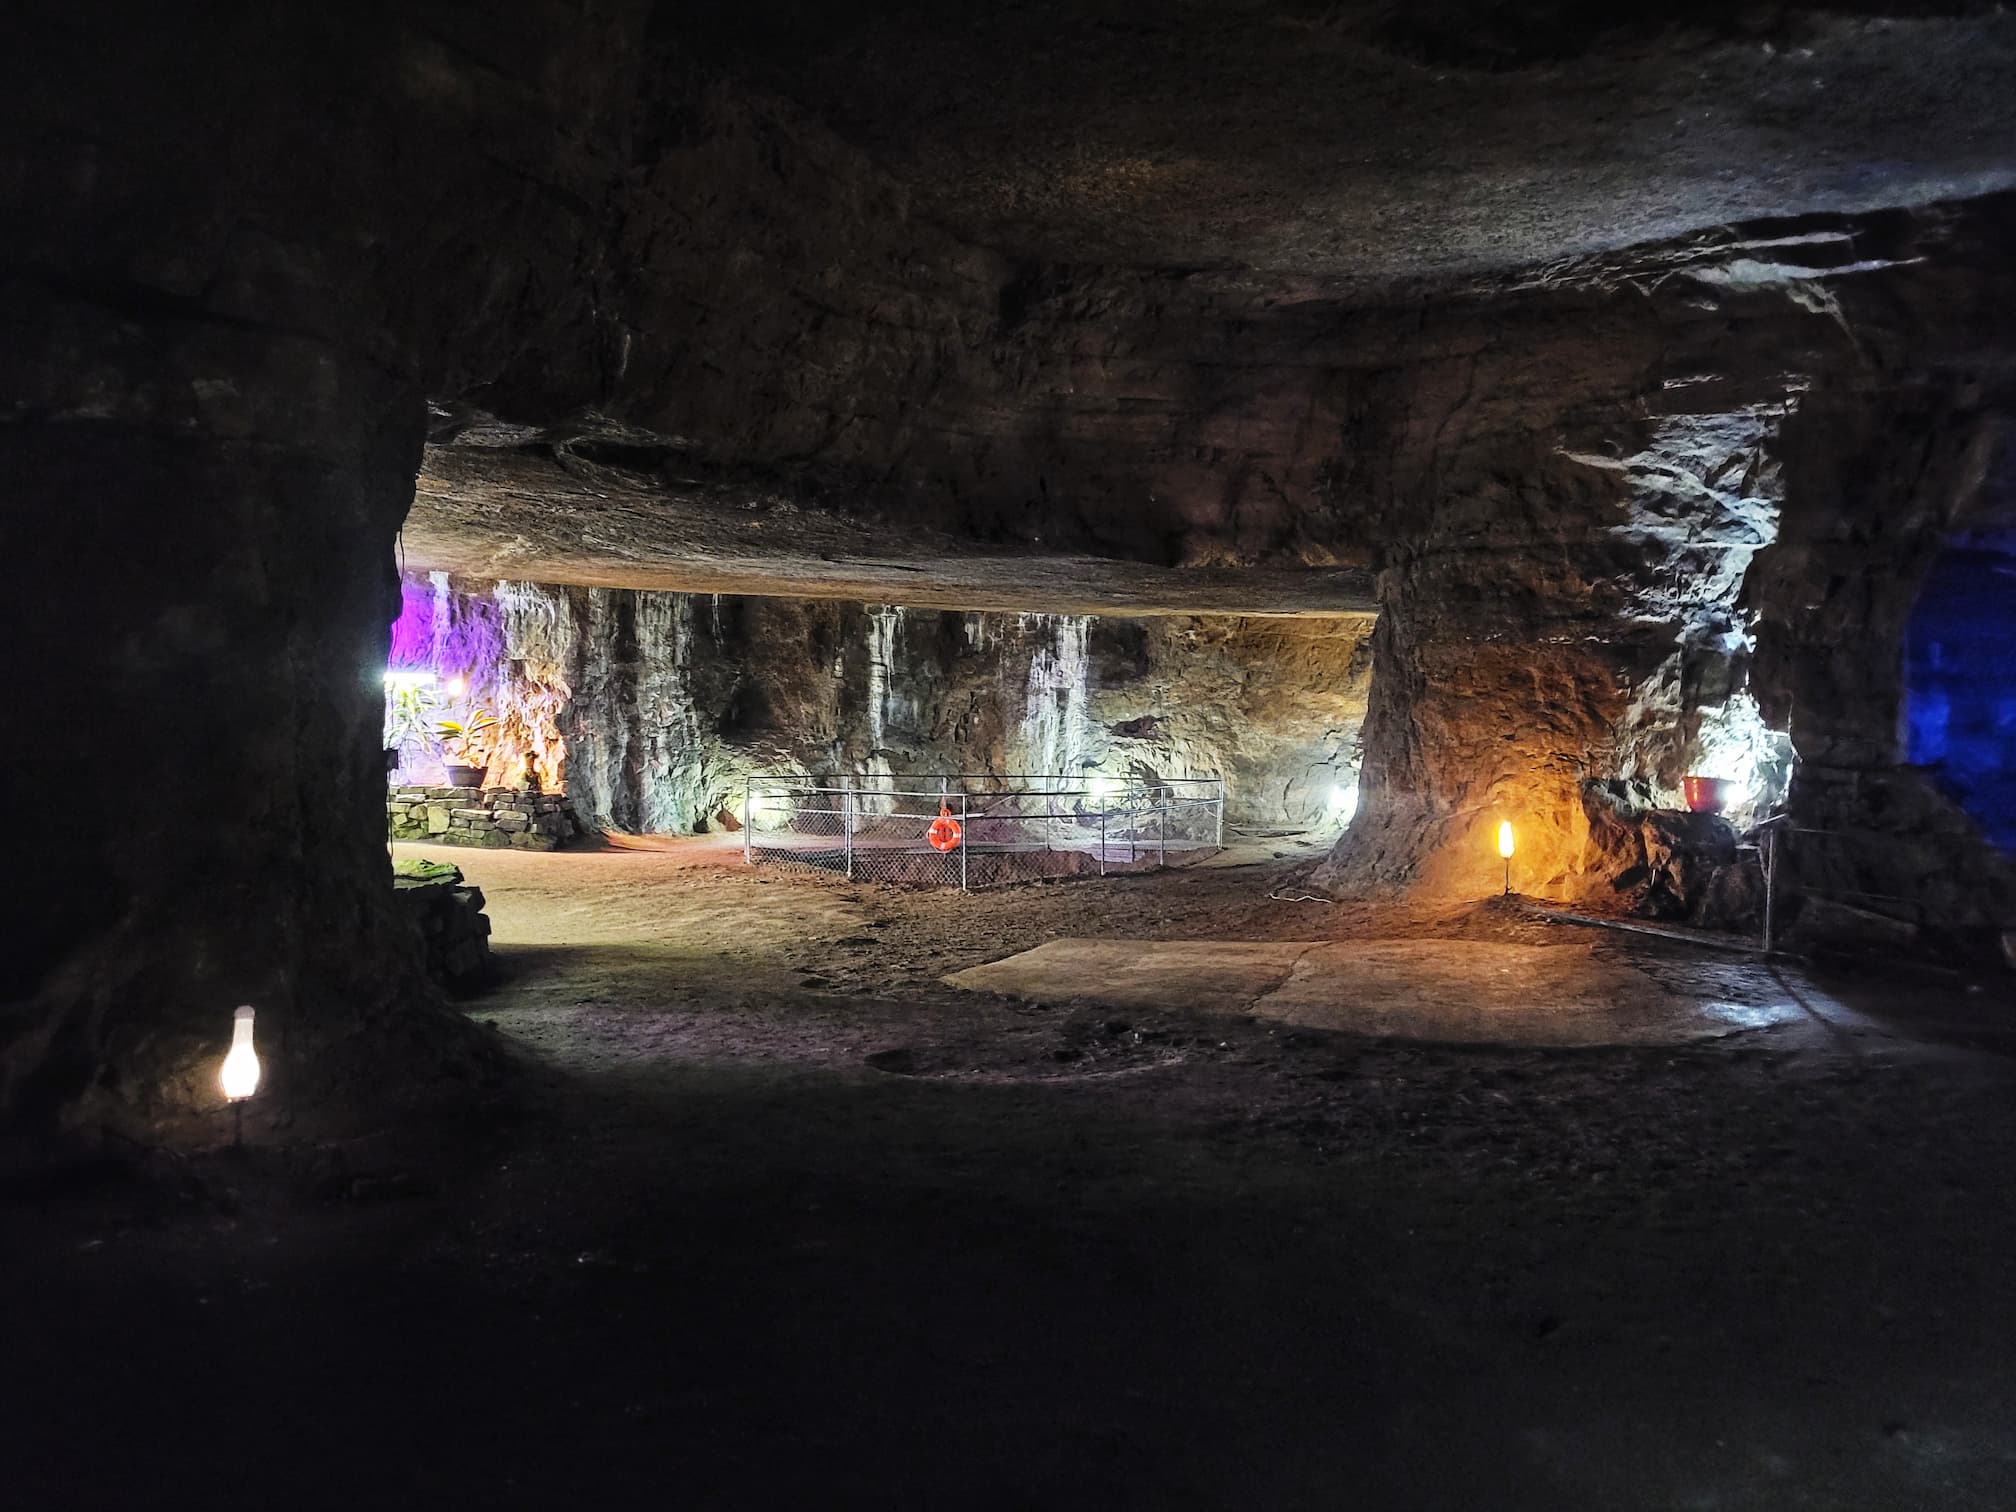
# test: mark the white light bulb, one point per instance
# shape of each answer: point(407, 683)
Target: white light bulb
point(1505, 838)
point(1104, 787)
point(240, 1076)
point(1343, 803)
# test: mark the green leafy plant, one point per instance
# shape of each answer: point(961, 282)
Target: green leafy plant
point(468, 740)
point(409, 714)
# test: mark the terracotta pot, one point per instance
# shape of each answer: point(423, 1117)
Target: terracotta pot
point(472, 776)
point(1705, 795)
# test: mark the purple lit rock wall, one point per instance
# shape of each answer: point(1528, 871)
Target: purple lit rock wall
point(457, 641)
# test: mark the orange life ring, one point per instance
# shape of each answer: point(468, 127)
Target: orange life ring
point(945, 833)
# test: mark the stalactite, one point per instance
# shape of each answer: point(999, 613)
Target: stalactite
point(885, 627)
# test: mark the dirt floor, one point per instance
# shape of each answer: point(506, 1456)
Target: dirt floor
point(789, 1220)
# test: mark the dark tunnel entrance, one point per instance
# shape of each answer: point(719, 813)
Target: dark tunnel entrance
point(1960, 677)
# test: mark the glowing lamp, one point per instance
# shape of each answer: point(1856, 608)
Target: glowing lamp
point(409, 679)
point(1505, 850)
point(1104, 787)
point(1344, 803)
point(457, 686)
point(240, 1077)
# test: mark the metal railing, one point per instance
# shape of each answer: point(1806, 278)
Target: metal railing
point(982, 830)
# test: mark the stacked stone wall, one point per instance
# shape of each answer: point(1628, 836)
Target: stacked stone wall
point(448, 916)
point(494, 818)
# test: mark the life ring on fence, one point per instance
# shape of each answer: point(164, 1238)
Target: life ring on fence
point(945, 833)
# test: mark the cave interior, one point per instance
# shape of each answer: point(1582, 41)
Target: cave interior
point(1547, 473)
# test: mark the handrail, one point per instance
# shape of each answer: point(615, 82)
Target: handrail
point(1066, 784)
point(853, 825)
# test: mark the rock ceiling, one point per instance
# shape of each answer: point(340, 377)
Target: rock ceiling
point(1375, 140)
point(507, 514)
point(1149, 308)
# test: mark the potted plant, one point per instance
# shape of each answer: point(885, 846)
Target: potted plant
point(466, 742)
point(409, 717)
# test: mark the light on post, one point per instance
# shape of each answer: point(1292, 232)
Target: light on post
point(240, 1075)
point(1505, 848)
point(241, 1066)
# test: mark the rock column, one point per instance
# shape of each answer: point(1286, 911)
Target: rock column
point(200, 529)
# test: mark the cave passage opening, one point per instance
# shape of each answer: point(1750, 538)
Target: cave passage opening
point(1960, 680)
point(659, 712)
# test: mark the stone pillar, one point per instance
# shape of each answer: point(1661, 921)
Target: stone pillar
point(199, 574)
point(1550, 634)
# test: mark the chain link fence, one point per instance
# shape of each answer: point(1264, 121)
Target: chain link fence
point(973, 831)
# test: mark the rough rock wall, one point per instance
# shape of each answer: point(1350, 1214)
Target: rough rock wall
point(1565, 629)
point(238, 247)
point(1879, 483)
point(215, 672)
point(667, 703)
point(1961, 680)
point(1693, 549)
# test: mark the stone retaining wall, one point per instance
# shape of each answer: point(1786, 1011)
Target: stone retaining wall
point(448, 916)
point(491, 817)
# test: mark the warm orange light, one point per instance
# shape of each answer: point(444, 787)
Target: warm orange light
point(1505, 838)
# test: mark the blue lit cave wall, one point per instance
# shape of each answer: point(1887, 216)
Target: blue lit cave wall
point(1960, 673)
point(652, 710)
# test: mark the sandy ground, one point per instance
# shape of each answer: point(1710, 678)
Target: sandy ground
point(794, 1221)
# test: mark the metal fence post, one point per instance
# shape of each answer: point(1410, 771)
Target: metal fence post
point(1102, 839)
point(965, 837)
point(747, 858)
point(1218, 830)
point(1162, 834)
point(847, 823)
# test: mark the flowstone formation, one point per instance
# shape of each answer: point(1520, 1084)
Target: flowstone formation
point(653, 710)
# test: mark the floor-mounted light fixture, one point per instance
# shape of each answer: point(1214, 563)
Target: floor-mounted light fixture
point(240, 1074)
point(1505, 850)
